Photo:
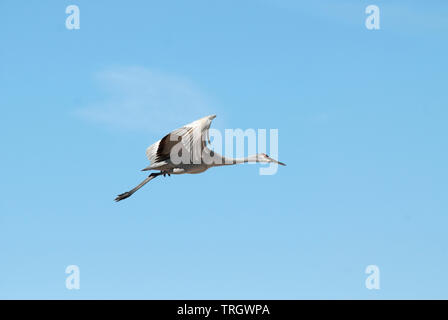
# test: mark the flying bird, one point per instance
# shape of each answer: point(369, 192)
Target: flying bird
point(184, 150)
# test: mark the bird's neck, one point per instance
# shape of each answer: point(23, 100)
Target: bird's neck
point(226, 161)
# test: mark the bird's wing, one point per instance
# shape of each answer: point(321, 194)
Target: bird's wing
point(193, 136)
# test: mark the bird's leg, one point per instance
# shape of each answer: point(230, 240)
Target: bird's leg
point(131, 192)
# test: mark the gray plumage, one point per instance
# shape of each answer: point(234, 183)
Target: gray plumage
point(189, 144)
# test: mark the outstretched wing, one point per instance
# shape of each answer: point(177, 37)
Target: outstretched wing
point(193, 137)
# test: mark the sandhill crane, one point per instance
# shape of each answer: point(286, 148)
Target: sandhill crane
point(189, 145)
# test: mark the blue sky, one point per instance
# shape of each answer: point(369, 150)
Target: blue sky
point(362, 126)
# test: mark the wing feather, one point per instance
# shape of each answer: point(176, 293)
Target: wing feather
point(193, 136)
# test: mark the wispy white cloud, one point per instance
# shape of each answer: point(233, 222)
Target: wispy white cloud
point(141, 99)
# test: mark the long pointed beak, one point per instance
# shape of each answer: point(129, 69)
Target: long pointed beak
point(280, 163)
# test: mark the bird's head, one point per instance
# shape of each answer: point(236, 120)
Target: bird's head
point(263, 157)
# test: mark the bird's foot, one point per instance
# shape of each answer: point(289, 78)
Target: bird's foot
point(123, 196)
point(166, 173)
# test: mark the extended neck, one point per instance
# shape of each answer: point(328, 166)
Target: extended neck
point(231, 161)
